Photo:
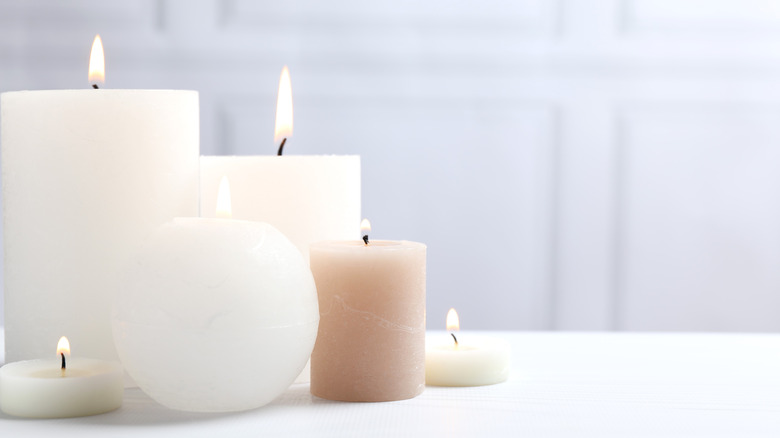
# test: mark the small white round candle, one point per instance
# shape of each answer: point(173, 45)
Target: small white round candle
point(469, 361)
point(42, 389)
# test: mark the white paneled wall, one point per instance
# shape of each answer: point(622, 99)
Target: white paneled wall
point(570, 164)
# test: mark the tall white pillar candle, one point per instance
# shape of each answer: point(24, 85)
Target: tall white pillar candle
point(87, 175)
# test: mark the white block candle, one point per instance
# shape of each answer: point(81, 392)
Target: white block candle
point(87, 175)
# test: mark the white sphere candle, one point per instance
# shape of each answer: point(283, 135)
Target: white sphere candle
point(43, 388)
point(465, 360)
point(216, 315)
point(87, 175)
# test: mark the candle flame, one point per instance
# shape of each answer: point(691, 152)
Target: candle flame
point(63, 346)
point(224, 208)
point(365, 227)
point(453, 322)
point(284, 108)
point(97, 63)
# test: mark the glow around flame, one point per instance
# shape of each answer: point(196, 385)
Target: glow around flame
point(453, 322)
point(63, 346)
point(284, 108)
point(97, 63)
point(365, 227)
point(224, 208)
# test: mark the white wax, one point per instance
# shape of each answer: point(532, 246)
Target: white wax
point(216, 315)
point(307, 198)
point(87, 175)
point(475, 361)
point(37, 389)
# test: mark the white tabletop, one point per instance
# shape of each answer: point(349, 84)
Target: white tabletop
point(561, 385)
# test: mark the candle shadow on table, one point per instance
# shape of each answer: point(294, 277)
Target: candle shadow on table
point(140, 410)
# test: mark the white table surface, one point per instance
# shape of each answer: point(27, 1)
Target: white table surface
point(561, 385)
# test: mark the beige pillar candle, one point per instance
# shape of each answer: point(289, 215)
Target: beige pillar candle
point(371, 340)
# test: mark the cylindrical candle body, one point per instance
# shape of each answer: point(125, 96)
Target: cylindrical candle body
point(37, 389)
point(371, 340)
point(475, 361)
point(87, 175)
point(307, 198)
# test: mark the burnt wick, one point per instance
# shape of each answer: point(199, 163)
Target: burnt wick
point(95, 86)
point(456, 339)
point(365, 238)
point(281, 146)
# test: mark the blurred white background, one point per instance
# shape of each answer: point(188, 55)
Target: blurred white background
point(582, 164)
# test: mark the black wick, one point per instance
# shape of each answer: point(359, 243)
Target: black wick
point(281, 146)
point(365, 238)
point(456, 339)
point(95, 86)
point(63, 364)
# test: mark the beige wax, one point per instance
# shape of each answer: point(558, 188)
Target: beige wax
point(371, 340)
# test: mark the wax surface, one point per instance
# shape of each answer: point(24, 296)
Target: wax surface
point(216, 315)
point(36, 388)
point(87, 175)
point(475, 361)
point(371, 341)
point(307, 198)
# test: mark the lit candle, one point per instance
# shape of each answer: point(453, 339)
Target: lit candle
point(308, 198)
point(371, 341)
point(87, 175)
point(61, 387)
point(216, 315)
point(465, 360)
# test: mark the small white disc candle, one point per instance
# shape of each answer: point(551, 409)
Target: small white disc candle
point(471, 361)
point(41, 389)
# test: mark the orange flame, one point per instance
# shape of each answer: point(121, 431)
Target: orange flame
point(97, 63)
point(284, 108)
